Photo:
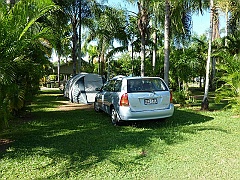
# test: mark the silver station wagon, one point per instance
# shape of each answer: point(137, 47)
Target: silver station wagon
point(134, 98)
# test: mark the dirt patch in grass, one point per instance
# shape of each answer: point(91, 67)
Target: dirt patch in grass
point(68, 106)
point(4, 144)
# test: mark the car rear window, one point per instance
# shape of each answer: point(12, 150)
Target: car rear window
point(112, 86)
point(145, 85)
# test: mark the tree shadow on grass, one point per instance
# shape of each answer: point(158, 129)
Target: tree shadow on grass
point(180, 117)
point(82, 138)
point(172, 129)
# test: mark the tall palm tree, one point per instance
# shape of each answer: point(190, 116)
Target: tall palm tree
point(213, 28)
point(76, 11)
point(71, 9)
point(235, 18)
point(205, 102)
point(166, 41)
point(62, 35)
point(143, 27)
point(180, 11)
point(61, 45)
point(231, 11)
point(215, 36)
point(225, 6)
point(176, 22)
point(157, 28)
point(109, 26)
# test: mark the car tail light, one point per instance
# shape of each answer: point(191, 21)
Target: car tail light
point(124, 100)
point(171, 98)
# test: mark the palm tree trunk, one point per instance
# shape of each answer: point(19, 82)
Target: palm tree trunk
point(154, 50)
point(205, 102)
point(142, 54)
point(226, 28)
point(80, 35)
point(99, 64)
point(166, 41)
point(58, 75)
point(143, 29)
point(74, 48)
point(132, 60)
point(102, 63)
point(215, 35)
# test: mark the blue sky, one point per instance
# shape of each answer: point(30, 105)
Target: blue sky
point(201, 23)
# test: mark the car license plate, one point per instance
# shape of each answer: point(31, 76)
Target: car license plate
point(150, 101)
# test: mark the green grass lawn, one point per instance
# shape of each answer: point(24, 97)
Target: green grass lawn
point(54, 143)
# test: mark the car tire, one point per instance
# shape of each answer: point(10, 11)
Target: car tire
point(114, 117)
point(96, 107)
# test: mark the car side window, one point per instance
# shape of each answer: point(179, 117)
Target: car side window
point(106, 86)
point(113, 86)
point(117, 86)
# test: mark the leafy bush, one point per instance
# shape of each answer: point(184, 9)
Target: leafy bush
point(183, 97)
point(230, 80)
point(179, 97)
point(230, 90)
point(23, 54)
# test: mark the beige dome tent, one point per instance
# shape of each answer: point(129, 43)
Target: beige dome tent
point(81, 87)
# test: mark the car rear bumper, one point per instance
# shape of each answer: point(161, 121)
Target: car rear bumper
point(126, 114)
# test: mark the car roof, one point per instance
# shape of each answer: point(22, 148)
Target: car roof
point(118, 77)
point(139, 77)
point(134, 77)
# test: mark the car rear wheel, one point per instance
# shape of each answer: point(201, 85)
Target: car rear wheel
point(114, 117)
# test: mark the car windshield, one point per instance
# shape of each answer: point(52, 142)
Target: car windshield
point(146, 85)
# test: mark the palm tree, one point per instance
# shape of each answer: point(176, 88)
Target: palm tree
point(61, 41)
point(166, 41)
point(61, 45)
point(76, 11)
point(205, 102)
point(229, 7)
point(235, 18)
point(156, 28)
point(109, 26)
point(225, 5)
point(178, 19)
point(23, 52)
point(201, 48)
point(143, 27)
point(176, 22)
point(213, 23)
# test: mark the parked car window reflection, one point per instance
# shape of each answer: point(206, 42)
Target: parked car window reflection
point(117, 86)
point(134, 85)
point(159, 85)
point(137, 85)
